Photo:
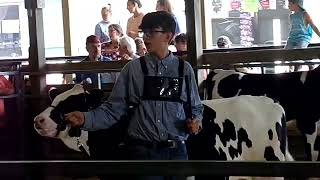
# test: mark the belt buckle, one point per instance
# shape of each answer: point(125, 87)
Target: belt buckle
point(172, 144)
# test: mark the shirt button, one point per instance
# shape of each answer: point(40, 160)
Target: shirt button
point(162, 134)
point(160, 73)
point(159, 104)
point(158, 120)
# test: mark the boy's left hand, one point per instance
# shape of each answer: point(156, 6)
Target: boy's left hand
point(193, 126)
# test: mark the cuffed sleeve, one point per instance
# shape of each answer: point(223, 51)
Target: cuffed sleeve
point(196, 105)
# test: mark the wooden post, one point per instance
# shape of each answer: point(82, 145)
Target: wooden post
point(37, 78)
point(194, 31)
point(36, 49)
point(66, 27)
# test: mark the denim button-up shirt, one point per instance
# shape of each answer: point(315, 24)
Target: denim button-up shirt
point(151, 120)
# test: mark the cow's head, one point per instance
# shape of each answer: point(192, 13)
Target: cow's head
point(50, 122)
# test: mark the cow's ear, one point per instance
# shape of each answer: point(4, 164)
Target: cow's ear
point(53, 93)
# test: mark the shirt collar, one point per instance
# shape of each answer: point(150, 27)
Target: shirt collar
point(165, 62)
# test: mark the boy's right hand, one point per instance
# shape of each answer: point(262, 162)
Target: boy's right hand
point(75, 119)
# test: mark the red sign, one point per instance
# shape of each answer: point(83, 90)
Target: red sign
point(235, 5)
point(265, 4)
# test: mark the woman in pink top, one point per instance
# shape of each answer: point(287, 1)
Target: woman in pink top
point(134, 21)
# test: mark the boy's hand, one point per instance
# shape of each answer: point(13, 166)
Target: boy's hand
point(193, 126)
point(75, 119)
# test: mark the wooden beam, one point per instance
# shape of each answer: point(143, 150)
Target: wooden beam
point(194, 30)
point(36, 49)
point(203, 23)
point(66, 28)
point(78, 67)
point(219, 59)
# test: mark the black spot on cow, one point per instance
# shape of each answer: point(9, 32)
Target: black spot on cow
point(270, 155)
point(229, 86)
point(233, 152)
point(208, 85)
point(270, 134)
point(282, 134)
point(229, 132)
point(243, 137)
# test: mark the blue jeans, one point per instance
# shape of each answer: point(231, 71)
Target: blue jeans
point(296, 45)
point(141, 152)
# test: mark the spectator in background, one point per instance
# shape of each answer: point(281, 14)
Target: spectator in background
point(301, 29)
point(165, 5)
point(134, 21)
point(140, 46)
point(180, 42)
point(224, 42)
point(111, 48)
point(93, 47)
point(6, 88)
point(127, 48)
point(301, 26)
point(101, 29)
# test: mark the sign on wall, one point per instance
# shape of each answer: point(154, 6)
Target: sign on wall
point(249, 6)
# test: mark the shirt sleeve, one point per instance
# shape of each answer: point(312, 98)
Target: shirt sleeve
point(196, 105)
point(128, 26)
point(97, 31)
point(112, 110)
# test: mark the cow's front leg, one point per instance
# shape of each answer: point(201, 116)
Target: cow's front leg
point(312, 145)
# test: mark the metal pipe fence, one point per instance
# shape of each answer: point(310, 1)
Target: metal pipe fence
point(186, 168)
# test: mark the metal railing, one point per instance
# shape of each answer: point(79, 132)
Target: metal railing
point(188, 168)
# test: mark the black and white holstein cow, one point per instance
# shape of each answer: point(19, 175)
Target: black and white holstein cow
point(239, 128)
point(297, 92)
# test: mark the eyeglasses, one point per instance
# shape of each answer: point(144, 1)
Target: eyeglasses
point(149, 33)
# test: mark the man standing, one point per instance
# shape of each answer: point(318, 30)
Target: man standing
point(134, 21)
point(93, 47)
point(101, 29)
point(158, 87)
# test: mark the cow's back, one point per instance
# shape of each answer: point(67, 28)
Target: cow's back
point(240, 128)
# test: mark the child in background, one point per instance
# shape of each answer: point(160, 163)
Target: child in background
point(301, 26)
point(181, 42)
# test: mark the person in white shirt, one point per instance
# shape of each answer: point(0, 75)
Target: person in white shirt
point(101, 29)
point(134, 21)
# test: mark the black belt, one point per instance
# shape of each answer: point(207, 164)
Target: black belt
point(155, 144)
